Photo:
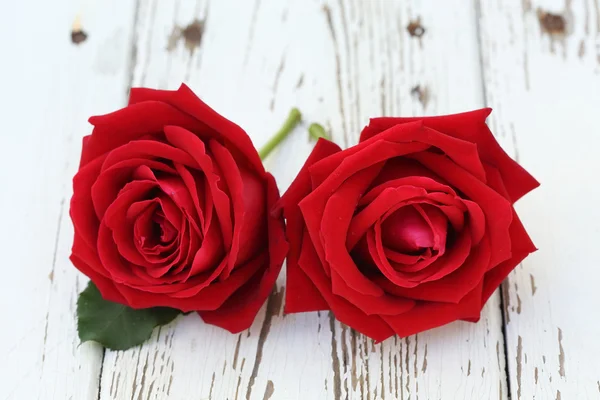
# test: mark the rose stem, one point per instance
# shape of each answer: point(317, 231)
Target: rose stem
point(317, 131)
point(290, 123)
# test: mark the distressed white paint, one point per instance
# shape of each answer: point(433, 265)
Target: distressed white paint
point(50, 87)
point(546, 94)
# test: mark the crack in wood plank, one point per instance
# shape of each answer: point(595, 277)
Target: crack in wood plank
point(236, 352)
point(269, 390)
point(561, 354)
point(251, 30)
point(338, 71)
point(272, 303)
point(337, 382)
point(276, 82)
point(519, 366)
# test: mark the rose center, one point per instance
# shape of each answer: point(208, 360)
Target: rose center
point(153, 231)
point(162, 228)
point(406, 231)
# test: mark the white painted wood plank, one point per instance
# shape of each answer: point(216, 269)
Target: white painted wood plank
point(340, 63)
point(545, 89)
point(50, 87)
point(238, 77)
point(385, 70)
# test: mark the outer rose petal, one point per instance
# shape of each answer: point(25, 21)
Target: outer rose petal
point(469, 126)
point(333, 230)
point(214, 124)
point(352, 160)
point(238, 312)
point(371, 325)
point(521, 246)
point(301, 295)
point(210, 298)
point(105, 286)
point(82, 210)
point(120, 127)
point(428, 315)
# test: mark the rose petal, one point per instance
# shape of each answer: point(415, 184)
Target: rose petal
point(105, 285)
point(454, 286)
point(426, 183)
point(406, 168)
point(497, 209)
point(312, 206)
point(190, 143)
point(81, 208)
point(476, 221)
point(463, 153)
point(301, 294)
point(370, 305)
point(218, 126)
point(471, 127)
point(386, 200)
point(370, 325)
point(438, 224)
point(406, 231)
point(377, 252)
point(521, 246)
point(301, 185)
point(428, 315)
point(400, 258)
point(247, 194)
point(210, 298)
point(151, 151)
point(200, 206)
point(334, 228)
point(119, 269)
point(131, 123)
point(177, 191)
point(370, 152)
point(329, 173)
point(115, 219)
point(209, 254)
point(88, 256)
point(241, 308)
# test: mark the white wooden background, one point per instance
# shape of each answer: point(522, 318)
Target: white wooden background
point(536, 62)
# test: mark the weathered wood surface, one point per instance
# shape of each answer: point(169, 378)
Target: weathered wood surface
point(340, 62)
point(542, 75)
point(50, 86)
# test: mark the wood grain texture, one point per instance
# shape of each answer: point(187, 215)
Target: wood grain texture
point(536, 62)
point(340, 63)
point(542, 76)
point(50, 86)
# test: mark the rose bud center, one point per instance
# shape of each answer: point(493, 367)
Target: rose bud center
point(154, 234)
point(406, 231)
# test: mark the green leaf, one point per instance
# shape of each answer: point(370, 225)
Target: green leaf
point(114, 325)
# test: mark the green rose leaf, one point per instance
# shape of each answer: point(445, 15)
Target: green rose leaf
point(114, 325)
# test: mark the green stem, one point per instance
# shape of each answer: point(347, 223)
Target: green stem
point(317, 131)
point(290, 123)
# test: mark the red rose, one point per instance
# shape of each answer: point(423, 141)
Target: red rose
point(412, 228)
point(170, 209)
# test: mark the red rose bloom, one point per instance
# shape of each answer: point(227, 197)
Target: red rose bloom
point(170, 209)
point(412, 228)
